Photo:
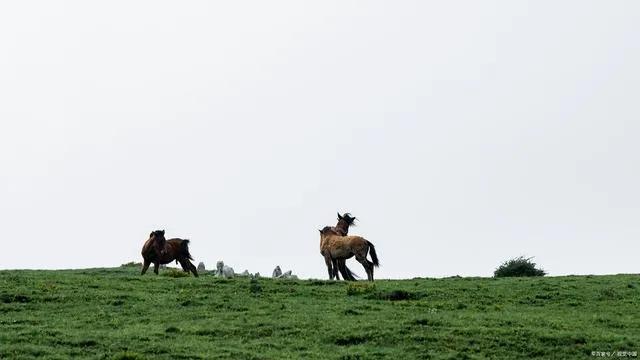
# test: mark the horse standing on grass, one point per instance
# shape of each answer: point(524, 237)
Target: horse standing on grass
point(342, 228)
point(158, 250)
point(335, 247)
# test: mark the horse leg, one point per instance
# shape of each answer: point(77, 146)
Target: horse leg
point(365, 263)
point(370, 263)
point(370, 268)
point(346, 274)
point(192, 267)
point(156, 265)
point(328, 261)
point(145, 266)
point(184, 265)
point(188, 266)
point(334, 264)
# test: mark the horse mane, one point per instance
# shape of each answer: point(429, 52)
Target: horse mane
point(347, 219)
point(350, 218)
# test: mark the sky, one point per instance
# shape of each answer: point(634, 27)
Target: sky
point(459, 133)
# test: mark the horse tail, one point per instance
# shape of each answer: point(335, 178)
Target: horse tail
point(184, 249)
point(372, 251)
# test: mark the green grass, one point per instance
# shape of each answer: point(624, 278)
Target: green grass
point(117, 314)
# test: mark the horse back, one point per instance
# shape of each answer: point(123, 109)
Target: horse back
point(343, 245)
point(175, 244)
point(351, 240)
point(356, 241)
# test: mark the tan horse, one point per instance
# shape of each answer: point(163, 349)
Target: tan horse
point(335, 247)
point(173, 249)
point(342, 228)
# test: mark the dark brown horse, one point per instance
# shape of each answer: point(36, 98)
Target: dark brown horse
point(172, 249)
point(344, 222)
point(342, 228)
point(335, 247)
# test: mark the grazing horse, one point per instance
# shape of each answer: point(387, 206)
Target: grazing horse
point(172, 249)
point(335, 247)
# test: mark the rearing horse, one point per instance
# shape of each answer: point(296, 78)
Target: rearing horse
point(173, 249)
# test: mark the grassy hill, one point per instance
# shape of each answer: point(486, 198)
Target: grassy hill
point(117, 314)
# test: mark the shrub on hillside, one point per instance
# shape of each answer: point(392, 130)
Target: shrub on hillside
point(131, 264)
point(519, 266)
point(174, 273)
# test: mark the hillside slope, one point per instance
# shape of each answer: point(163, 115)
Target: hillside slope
point(115, 313)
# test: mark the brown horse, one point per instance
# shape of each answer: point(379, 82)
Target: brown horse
point(344, 222)
point(173, 249)
point(335, 247)
point(342, 228)
point(332, 263)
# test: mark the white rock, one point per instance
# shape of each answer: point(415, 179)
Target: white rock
point(224, 271)
point(277, 272)
point(245, 273)
point(288, 275)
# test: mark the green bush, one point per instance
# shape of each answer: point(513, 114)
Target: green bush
point(519, 266)
point(174, 273)
point(131, 264)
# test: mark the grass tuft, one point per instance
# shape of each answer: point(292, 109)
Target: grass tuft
point(360, 288)
point(350, 340)
point(254, 287)
point(14, 298)
point(129, 356)
point(397, 295)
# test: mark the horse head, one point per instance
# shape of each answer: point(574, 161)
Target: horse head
point(327, 231)
point(347, 218)
point(344, 222)
point(157, 236)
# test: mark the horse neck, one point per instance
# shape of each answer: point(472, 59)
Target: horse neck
point(342, 227)
point(159, 244)
point(323, 242)
point(148, 245)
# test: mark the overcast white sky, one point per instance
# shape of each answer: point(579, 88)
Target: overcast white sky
point(460, 133)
